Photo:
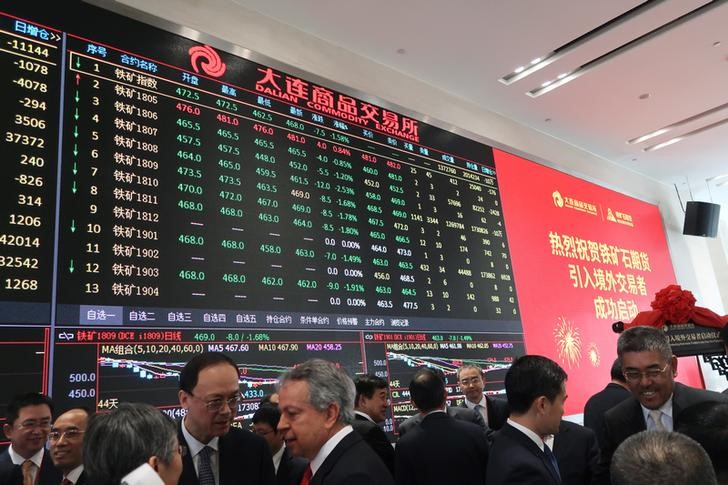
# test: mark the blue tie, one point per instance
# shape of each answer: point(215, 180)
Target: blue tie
point(552, 460)
point(204, 467)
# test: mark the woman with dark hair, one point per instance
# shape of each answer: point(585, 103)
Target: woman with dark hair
point(134, 437)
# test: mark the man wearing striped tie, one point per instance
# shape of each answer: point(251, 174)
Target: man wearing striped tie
point(215, 452)
point(650, 368)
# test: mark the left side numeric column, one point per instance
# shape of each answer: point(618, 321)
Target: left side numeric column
point(30, 58)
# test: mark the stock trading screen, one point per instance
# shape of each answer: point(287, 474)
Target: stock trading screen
point(163, 197)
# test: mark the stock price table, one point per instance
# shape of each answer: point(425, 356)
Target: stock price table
point(161, 184)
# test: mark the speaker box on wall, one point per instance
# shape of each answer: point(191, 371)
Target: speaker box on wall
point(701, 219)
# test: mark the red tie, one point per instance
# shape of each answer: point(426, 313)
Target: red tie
point(66, 481)
point(306, 476)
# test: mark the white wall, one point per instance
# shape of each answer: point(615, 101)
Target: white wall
point(700, 264)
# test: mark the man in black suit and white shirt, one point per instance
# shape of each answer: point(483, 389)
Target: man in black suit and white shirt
point(289, 468)
point(26, 461)
point(66, 444)
point(536, 389)
point(370, 407)
point(472, 381)
point(216, 453)
point(316, 399)
point(657, 400)
point(441, 449)
point(601, 402)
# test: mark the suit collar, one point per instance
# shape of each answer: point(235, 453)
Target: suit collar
point(329, 462)
point(511, 431)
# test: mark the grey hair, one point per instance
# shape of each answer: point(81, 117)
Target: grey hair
point(644, 339)
point(470, 366)
point(327, 384)
point(663, 457)
point(116, 443)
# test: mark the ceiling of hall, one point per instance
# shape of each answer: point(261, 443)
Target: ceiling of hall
point(645, 66)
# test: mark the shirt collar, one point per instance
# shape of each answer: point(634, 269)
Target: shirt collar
point(328, 447)
point(532, 436)
point(75, 474)
point(278, 457)
point(194, 446)
point(665, 408)
point(37, 458)
point(364, 415)
point(482, 402)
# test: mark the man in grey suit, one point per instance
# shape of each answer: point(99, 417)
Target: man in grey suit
point(657, 400)
point(472, 381)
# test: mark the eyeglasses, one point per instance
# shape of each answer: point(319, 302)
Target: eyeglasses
point(635, 375)
point(70, 434)
point(260, 432)
point(31, 424)
point(469, 381)
point(217, 405)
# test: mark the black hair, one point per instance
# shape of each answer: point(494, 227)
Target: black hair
point(267, 414)
point(23, 400)
point(530, 377)
point(427, 389)
point(191, 371)
point(367, 385)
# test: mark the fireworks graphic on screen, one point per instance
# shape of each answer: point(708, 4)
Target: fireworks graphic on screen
point(568, 342)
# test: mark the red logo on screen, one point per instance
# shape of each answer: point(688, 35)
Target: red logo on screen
point(204, 57)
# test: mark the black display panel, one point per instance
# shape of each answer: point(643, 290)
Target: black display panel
point(171, 197)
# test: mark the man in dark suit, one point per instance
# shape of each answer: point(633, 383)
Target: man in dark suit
point(439, 439)
point(370, 407)
point(472, 381)
point(26, 461)
point(66, 444)
point(536, 390)
point(461, 414)
point(316, 399)
point(216, 452)
point(577, 453)
point(601, 402)
point(657, 400)
point(289, 469)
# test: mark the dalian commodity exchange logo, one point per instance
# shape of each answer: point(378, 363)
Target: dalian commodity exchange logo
point(558, 200)
point(204, 57)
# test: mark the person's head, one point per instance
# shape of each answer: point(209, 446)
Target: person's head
point(118, 442)
point(707, 423)
point(536, 391)
point(209, 391)
point(316, 400)
point(371, 396)
point(265, 424)
point(66, 439)
point(28, 423)
point(662, 457)
point(427, 389)
point(616, 372)
point(269, 399)
point(648, 365)
point(470, 379)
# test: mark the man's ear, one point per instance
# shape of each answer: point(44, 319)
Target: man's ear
point(153, 462)
point(673, 364)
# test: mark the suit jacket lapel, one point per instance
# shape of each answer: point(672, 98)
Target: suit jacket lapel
point(189, 476)
point(533, 448)
point(349, 440)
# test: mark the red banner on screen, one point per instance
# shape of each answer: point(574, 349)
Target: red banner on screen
point(583, 257)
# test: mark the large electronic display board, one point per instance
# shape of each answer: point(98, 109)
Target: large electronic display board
point(163, 197)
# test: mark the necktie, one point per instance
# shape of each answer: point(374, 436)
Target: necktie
point(66, 481)
point(27, 469)
point(306, 478)
point(552, 460)
point(656, 416)
point(204, 467)
point(481, 410)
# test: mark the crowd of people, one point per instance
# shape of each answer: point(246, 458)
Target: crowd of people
point(322, 427)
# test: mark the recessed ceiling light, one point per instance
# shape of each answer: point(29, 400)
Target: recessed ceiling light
point(536, 61)
point(401, 51)
point(644, 96)
point(519, 69)
point(663, 144)
point(716, 43)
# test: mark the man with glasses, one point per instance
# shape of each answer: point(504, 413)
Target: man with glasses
point(494, 411)
point(649, 368)
point(26, 462)
point(216, 453)
point(66, 445)
point(289, 468)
